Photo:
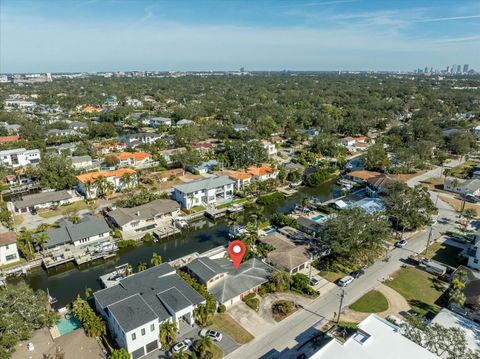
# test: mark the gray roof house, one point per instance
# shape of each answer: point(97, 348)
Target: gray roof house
point(462, 186)
point(147, 215)
point(139, 303)
point(184, 122)
point(35, 201)
point(227, 284)
point(90, 229)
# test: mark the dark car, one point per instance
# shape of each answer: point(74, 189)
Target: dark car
point(358, 273)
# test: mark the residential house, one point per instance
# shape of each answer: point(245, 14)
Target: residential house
point(374, 338)
point(462, 186)
point(310, 226)
point(241, 179)
point(476, 132)
point(202, 147)
point(9, 139)
point(68, 148)
point(8, 248)
point(62, 133)
point(90, 229)
point(378, 185)
point(473, 253)
point(135, 159)
point(144, 218)
point(42, 200)
point(168, 155)
point(124, 178)
point(362, 176)
point(238, 127)
point(78, 126)
point(294, 167)
point(135, 308)
point(355, 143)
point(204, 167)
point(270, 148)
point(136, 139)
point(105, 148)
point(311, 132)
point(227, 284)
point(208, 191)
point(19, 157)
point(184, 122)
point(262, 173)
point(159, 121)
point(82, 162)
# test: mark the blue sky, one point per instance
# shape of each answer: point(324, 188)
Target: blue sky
point(101, 35)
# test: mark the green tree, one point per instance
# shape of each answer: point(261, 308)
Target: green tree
point(119, 354)
point(56, 171)
point(168, 333)
point(203, 345)
point(376, 158)
point(156, 259)
point(141, 266)
point(93, 324)
point(202, 315)
point(281, 279)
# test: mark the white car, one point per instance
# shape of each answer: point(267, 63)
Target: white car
point(345, 281)
point(182, 346)
point(213, 334)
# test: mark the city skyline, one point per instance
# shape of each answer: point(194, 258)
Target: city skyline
point(348, 35)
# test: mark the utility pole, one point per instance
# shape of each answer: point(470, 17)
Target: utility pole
point(342, 295)
point(431, 228)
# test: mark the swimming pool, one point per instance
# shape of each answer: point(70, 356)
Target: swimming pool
point(318, 218)
point(270, 230)
point(66, 326)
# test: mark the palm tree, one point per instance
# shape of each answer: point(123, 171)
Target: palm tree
point(469, 214)
point(252, 234)
point(305, 202)
point(457, 284)
point(104, 186)
point(127, 180)
point(41, 240)
point(234, 220)
point(156, 259)
point(168, 333)
point(128, 270)
point(180, 355)
point(141, 266)
point(461, 274)
point(457, 297)
point(202, 345)
point(202, 315)
point(88, 292)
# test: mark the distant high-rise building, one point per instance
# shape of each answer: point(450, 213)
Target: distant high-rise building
point(431, 69)
point(465, 68)
point(453, 68)
point(242, 69)
point(459, 69)
point(448, 69)
point(426, 69)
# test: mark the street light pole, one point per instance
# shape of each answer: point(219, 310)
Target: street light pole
point(341, 304)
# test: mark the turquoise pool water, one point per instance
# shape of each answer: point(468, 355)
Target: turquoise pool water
point(271, 230)
point(66, 326)
point(318, 218)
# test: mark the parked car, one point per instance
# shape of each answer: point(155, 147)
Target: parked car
point(358, 273)
point(401, 243)
point(183, 346)
point(426, 261)
point(471, 198)
point(313, 282)
point(212, 334)
point(345, 281)
point(458, 239)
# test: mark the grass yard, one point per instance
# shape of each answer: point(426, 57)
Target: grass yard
point(216, 351)
point(18, 219)
point(457, 203)
point(418, 288)
point(332, 276)
point(463, 170)
point(442, 253)
point(371, 302)
point(75, 206)
point(226, 324)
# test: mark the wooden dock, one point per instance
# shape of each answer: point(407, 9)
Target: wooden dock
point(215, 213)
point(287, 192)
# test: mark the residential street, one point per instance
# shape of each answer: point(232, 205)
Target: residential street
point(281, 340)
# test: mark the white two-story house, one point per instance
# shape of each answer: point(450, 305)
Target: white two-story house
point(209, 191)
point(8, 248)
point(19, 157)
point(89, 184)
point(139, 303)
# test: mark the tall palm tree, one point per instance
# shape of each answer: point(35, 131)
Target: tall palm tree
point(202, 345)
point(156, 259)
point(41, 240)
point(202, 315)
point(127, 180)
point(252, 234)
point(168, 333)
point(305, 202)
point(88, 292)
point(457, 297)
point(234, 220)
point(141, 266)
point(128, 270)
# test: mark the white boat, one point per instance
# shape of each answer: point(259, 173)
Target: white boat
point(237, 232)
point(234, 208)
point(180, 223)
point(106, 247)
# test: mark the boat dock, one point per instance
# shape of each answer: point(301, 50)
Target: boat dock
point(215, 213)
point(287, 191)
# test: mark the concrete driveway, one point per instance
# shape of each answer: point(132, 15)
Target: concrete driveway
point(252, 321)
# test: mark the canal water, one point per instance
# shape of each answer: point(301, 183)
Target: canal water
point(66, 281)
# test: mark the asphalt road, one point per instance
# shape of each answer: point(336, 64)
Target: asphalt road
point(283, 340)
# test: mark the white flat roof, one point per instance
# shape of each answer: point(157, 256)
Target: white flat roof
point(376, 339)
point(447, 318)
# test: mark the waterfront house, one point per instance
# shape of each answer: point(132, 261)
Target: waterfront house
point(362, 177)
point(89, 230)
point(241, 179)
point(89, 184)
point(378, 185)
point(208, 191)
point(227, 284)
point(135, 308)
point(8, 248)
point(145, 217)
point(42, 200)
point(262, 173)
point(19, 157)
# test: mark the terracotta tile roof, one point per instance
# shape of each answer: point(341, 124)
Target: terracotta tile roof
point(364, 175)
point(92, 176)
point(239, 175)
point(8, 238)
point(6, 139)
point(260, 171)
point(137, 156)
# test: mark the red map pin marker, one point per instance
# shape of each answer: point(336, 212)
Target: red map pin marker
point(237, 250)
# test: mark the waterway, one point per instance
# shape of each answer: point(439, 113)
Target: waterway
point(65, 282)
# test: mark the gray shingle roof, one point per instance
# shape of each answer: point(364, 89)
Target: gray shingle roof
point(122, 216)
point(207, 183)
point(205, 268)
point(249, 275)
point(41, 198)
point(132, 312)
point(69, 232)
point(157, 286)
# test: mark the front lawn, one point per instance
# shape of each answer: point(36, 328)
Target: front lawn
point(442, 253)
point(371, 302)
point(332, 276)
point(226, 324)
point(419, 288)
point(60, 211)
